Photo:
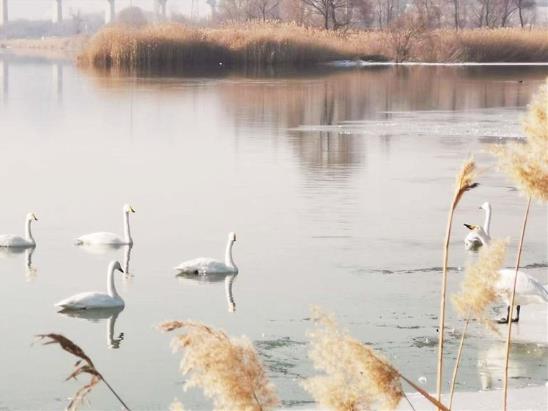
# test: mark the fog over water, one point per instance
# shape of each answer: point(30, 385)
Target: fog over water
point(337, 184)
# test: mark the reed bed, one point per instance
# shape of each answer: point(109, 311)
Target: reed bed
point(171, 46)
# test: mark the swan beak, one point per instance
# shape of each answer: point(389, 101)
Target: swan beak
point(34, 217)
point(469, 226)
point(132, 209)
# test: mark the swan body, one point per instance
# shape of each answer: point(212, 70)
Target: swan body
point(473, 241)
point(96, 300)
point(528, 290)
point(15, 241)
point(107, 238)
point(204, 265)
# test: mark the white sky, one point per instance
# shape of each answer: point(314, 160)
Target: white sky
point(42, 9)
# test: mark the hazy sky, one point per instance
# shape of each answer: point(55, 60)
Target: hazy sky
point(42, 9)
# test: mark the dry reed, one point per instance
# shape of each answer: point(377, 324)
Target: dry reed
point(527, 165)
point(83, 366)
point(228, 370)
point(478, 293)
point(464, 183)
point(172, 46)
point(356, 377)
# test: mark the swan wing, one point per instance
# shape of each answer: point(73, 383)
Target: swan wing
point(528, 290)
point(8, 240)
point(100, 238)
point(203, 265)
point(89, 300)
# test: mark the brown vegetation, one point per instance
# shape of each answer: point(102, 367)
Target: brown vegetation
point(355, 377)
point(83, 366)
point(175, 46)
point(227, 369)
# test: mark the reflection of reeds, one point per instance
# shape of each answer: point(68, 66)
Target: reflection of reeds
point(228, 370)
point(464, 182)
point(478, 292)
point(356, 377)
point(527, 165)
point(83, 366)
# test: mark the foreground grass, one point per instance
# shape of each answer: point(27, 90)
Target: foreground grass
point(174, 46)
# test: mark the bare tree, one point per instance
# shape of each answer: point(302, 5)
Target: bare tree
point(524, 6)
point(335, 13)
point(263, 9)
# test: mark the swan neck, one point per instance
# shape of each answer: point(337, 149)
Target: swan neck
point(487, 223)
point(110, 330)
point(229, 280)
point(127, 231)
point(228, 255)
point(111, 289)
point(28, 231)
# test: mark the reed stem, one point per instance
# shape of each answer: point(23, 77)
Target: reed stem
point(115, 394)
point(512, 301)
point(442, 300)
point(457, 362)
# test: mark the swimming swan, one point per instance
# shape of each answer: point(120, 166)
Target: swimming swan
point(205, 265)
point(94, 300)
point(528, 290)
point(473, 241)
point(110, 238)
point(8, 240)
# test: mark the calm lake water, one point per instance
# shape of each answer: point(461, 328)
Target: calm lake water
point(337, 184)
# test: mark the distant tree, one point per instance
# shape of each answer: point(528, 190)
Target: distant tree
point(132, 16)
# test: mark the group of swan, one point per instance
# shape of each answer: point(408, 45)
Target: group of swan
point(111, 299)
point(528, 290)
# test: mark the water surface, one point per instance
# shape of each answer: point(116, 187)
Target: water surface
point(337, 184)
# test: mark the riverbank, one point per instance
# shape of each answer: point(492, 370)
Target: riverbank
point(174, 46)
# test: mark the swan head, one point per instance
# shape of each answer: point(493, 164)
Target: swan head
point(32, 217)
point(485, 206)
point(115, 266)
point(477, 229)
point(232, 237)
point(128, 209)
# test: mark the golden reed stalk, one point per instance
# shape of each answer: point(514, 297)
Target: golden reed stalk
point(355, 377)
point(527, 165)
point(464, 183)
point(83, 366)
point(478, 293)
point(228, 370)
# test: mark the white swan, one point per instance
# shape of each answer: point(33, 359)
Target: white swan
point(528, 290)
point(8, 240)
point(473, 240)
point(110, 238)
point(205, 265)
point(94, 300)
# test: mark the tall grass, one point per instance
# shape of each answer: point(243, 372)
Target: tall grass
point(464, 182)
point(227, 369)
point(83, 366)
point(173, 46)
point(527, 165)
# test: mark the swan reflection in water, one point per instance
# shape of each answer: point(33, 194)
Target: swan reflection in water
point(214, 278)
point(103, 249)
point(522, 364)
point(30, 271)
point(97, 314)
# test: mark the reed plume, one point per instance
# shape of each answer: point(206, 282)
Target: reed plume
point(228, 370)
point(464, 182)
point(478, 292)
point(83, 366)
point(527, 165)
point(355, 376)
